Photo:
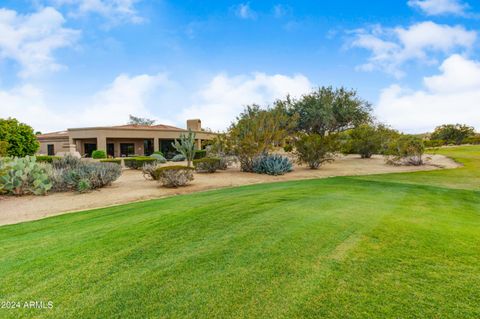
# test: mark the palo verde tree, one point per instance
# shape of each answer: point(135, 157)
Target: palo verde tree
point(19, 138)
point(256, 131)
point(186, 146)
point(453, 133)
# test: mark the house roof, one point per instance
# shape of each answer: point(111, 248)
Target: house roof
point(152, 127)
point(53, 134)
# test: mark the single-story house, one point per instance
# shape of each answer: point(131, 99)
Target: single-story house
point(119, 141)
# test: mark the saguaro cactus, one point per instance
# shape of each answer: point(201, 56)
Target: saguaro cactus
point(186, 146)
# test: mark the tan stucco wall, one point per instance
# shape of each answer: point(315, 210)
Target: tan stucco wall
point(100, 136)
point(59, 145)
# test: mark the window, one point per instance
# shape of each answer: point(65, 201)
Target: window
point(89, 148)
point(51, 149)
point(147, 147)
point(111, 149)
point(127, 149)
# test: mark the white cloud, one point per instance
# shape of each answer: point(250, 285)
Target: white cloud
point(31, 39)
point(115, 11)
point(221, 100)
point(244, 11)
point(217, 103)
point(110, 106)
point(439, 7)
point(391, 48)
point(449, 97)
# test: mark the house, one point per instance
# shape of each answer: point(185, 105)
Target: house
point(119, 141)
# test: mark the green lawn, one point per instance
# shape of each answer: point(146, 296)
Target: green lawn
point(383, 246)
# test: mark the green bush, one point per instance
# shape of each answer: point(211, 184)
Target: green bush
point(149, 171)
point(112, 160)
point(272, 165)
point(70, 173)
point(158, 153)
point(367, 140)
point(200, 154)
point(178, 158)
point(453, 133)
point(406, 150)
point(97, 154)
point(475, 140)
point(159, 157)
point(207, 164)
point(434, 143)
point(3, 148)
point(315, 149)
point(46, 158)
point(21, 176)
point(174, 176)
point(138, 162)
point(288, 148)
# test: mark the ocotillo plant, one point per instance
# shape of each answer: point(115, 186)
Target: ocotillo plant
point(186, 146)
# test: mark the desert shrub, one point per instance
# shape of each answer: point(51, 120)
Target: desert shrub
point(475, 140)
point(46, 158)
point(159, 157)
point(84, 186)
point(272, 164)
point(19, 136)
point(174, 176)
point(406, 150)
point(368, 139)
point(178, 158)
point(112, 160)
point(138, 162)
point(200, 154)
point(97, 154)
point(3, 148)
point(434, 143)
point(452, 133)
point(288, 148)
point(257, 131)
point(66, 162)
point(186, 147)
point(97, 174)
point(315, 149)
point(21, 176)
point(207, 164)
point(149, 171)
point(158, 153)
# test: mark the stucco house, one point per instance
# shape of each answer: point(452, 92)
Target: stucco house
point(119, 141)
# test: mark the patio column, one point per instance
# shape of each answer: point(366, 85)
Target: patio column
point(156, 145)
point(198, 144)
point(102, 143)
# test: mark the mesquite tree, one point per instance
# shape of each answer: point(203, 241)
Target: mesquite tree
point(186, 146)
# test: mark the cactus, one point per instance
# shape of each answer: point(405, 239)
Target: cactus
point(186, 146)
point(22, 176)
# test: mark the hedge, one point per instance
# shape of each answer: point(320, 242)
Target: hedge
point(112, 160)
point(200, 154)
point(206, 164)
point(138, 162)
point(46, 158)
point(99, 154)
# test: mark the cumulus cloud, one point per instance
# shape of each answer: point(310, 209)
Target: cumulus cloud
point(449, 97)
point(31, 39)
point(115, 11)
point(244, 11)
point(224, 97)
point(439, 7)
point(391, 48)
point(109, 106)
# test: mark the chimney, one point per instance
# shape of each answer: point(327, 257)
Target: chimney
point(194, 125)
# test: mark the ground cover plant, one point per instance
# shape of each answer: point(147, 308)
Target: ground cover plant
point(383, 246)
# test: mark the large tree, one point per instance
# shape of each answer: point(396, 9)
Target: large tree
point(329, 110)
point(258, 130)
point(135, 120)
point(19, 137)
point(453, 133)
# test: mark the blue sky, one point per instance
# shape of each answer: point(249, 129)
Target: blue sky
point(71, 63)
